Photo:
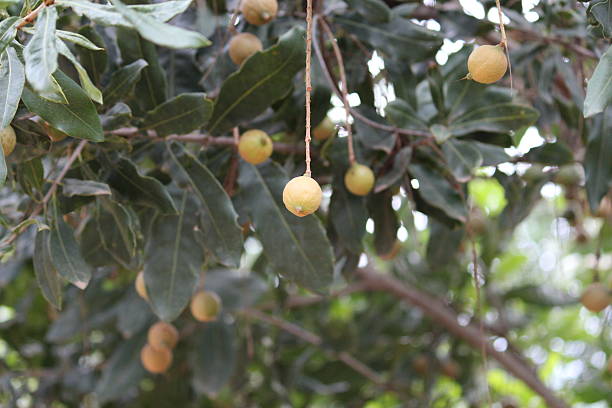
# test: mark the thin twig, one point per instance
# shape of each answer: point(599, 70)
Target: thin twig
point(445, 316)
point(316, 340)
point(504, 41)
point(31, 16)
point(355, 113)
point(308, 82)
point(344, 90)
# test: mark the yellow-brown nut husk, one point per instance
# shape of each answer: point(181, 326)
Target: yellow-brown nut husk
point(162, 335)
point(302, 195)
point(359, 179)
point(242, 46)
point(255, 146)
point(205, 306)
point(487, 64)
point(139, 283)
point(155, 360)
point(596, 297)
point(259, 12)
point(325, 129)
point(8, 140)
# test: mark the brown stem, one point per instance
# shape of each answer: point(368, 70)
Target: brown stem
point(347, 107)
point(316, 340)
point(31, 16)
point(308, 82)
point(356, 114)
point(447, 317)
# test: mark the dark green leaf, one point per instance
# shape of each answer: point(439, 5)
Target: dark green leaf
point(462, 158)
point(402, 115)
point(78, 118)
point(180, 115)
point(122, 371)
point(399, 38)
point(173, 260)
point(396, 172)
point(160, 33)
point(597, 163)
point(371, 137)
point(65, 252)
point(554, 154)
point(236, 288)
point(599, 88)
point(12, 79)
point(212, 357)
point(262, 80)
point(91, 90)
point(133, 314)
point(385, 222)
point(443, 244)
point(143, 190)
point(437, 191)
point(123, 80)
point(46, 275)
point(348, 214)
point(601, 12)
point(221, 234)
point(491, 155)
point(151, 89)
point(117, 116)
point(296, 248)
point(30, 175)
point(374, 11)
point(494, 117)
point(72, 187)
point(95, 62)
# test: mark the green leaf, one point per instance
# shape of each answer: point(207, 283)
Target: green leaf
point(440, 132)
point(494, 117)
point(123, 80)
point(46, 275)
point(65, 252)
point(95, 62)
point(78, 39)
point(600, 16)
point(12, 79)
point(402, 115)
point(151, 89)
point(399, 38)
point(160, 33)
point(599, 87)
point(142, 190)
point(374, 11)
point(107, 15)
point(72, 187)
point(30, 175)
point(262, 80)
point(179, 115)
point(385, 221)
point(491, 155)
point(237, 289)
point(77, 118)
point(221, 234)
point(462, 158)
point(8, 31)
point(212, 357)
point(554, 154)
point(117, 116)
point(443, 244)
point(41, 54)
point(597, 164)
point(122, 371)
point(173, 260)
point(348, 215)
point(91, 90)
point(437, 191)
point(397, 171)
point(296, 248)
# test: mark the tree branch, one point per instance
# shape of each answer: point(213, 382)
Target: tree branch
point(316, 340)
point(447, 317)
